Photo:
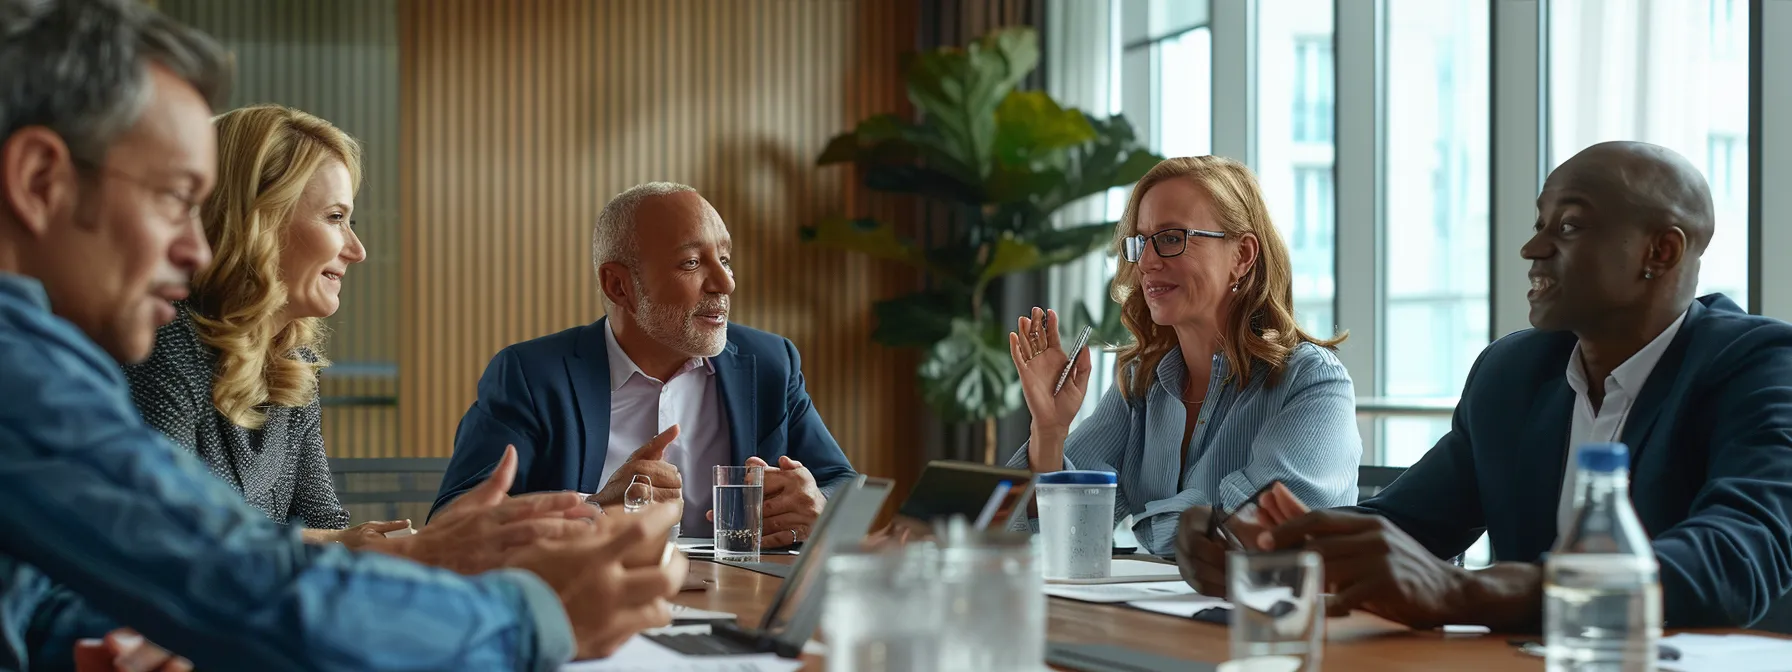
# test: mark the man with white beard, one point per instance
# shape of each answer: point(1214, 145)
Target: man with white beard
point(662, 387)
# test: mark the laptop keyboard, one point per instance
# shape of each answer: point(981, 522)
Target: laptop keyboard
point(695, 644)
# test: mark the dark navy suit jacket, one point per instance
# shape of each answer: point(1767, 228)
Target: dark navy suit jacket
point(1710, 436)
point(550, 397)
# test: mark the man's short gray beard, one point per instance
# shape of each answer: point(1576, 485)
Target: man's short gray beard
point(676, 328)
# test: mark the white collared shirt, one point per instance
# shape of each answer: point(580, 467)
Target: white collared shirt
point(642, 407)
point(1607, 425)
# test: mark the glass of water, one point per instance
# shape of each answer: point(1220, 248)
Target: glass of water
point(994, 602)
point(739, 501)
point(1278, 609)
point(882, 611)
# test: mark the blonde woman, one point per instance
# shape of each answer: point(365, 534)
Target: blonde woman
point(234, 377)
point(1220, 392)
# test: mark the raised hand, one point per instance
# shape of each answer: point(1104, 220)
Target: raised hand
point(1039, 357)
point(476, 532)
point(650, 461)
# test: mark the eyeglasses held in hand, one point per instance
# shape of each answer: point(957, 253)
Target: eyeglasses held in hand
point(1168, 242)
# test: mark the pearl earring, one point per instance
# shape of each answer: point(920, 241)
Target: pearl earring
point(1234, 287)
point(1648, 275)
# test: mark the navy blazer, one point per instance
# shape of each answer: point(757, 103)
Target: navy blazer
point(550, 397)
point(1710, 436)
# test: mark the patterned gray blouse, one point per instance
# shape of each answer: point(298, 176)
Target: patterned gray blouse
point(279, 468)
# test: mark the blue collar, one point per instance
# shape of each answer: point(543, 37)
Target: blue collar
point(26, 288)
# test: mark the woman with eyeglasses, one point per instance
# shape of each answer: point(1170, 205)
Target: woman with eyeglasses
point(1219, 392)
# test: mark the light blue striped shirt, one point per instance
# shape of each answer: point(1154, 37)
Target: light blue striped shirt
point(1302, 432)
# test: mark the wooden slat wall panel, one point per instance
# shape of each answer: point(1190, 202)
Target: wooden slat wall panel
point(337, 59)
point(520, 119)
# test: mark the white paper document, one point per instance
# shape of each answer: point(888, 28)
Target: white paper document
point(1109, 593)
point(1185, 606)
point(1128, 571)
point(1728, 653)
point(641, 654)
point(684, 613)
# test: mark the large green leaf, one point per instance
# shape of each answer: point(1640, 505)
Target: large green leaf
point(912, 179)
point(865, 235)
point(1030, 127)
point(920, 319)
point(958, 91)
point(969, 376)
point(1114, 159)
point(1011, 255)
point(1058, 246)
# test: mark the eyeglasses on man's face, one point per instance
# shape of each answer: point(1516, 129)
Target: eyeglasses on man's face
point(1168, 243)
point(173, 205)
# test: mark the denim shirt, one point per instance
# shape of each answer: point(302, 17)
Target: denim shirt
point(106, 524)
point(1301, 431)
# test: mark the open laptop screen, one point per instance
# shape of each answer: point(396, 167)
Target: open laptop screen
point(793, 615)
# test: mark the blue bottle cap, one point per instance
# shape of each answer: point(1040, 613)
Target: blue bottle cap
point(1078, 477)
point(1603, 457)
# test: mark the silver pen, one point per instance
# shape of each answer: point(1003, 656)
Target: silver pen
point(1081, 341)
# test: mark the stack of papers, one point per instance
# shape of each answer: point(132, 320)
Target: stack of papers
point(1728, 653)
point(1111, 593)
point(1128, 571)
point(1185, 606)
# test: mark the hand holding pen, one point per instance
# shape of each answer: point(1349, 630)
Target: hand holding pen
point(1053, 382)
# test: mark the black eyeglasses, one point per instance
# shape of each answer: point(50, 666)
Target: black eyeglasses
point(1168, 242)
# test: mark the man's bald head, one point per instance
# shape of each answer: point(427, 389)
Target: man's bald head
point(1661, 187)
point(1620, 227)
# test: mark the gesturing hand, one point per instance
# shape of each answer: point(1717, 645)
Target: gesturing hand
point(1201, 554)
point(649, 461)
point(611, 582)
point(1373, 565)
point(792, 502)
point(1039, 357)
point(475, 532)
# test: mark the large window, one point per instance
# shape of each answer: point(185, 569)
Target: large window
point(1670, 73)
point(1297, 101)
point(1435, 297)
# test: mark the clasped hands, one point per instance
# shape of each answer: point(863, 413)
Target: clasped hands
point(1369, 563)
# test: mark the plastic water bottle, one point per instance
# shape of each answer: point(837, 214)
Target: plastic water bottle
point(1601, 586)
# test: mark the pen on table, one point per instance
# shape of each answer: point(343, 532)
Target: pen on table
point(995, 502)
point(1081, 341)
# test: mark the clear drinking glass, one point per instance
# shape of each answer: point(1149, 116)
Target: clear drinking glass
point(994, 603)
point(1278, 608)
point(881, 611)
point(739, 499)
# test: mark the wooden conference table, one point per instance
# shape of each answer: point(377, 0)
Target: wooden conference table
point(1357, 642)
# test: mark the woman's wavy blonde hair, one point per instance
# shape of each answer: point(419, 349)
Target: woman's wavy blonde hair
point(1261, 321)
point(267, 154)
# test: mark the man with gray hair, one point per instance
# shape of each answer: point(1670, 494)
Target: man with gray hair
point(106, 152)
point(664, 387)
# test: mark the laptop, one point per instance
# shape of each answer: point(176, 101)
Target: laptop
point(794, 613)
point(950, 488)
